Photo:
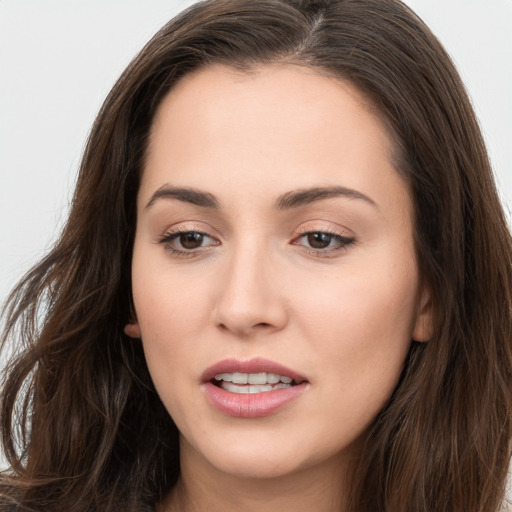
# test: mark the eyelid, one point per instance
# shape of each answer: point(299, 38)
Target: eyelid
point(323, 227)
point(187, 227)
point(171, 233)
point(345, 240)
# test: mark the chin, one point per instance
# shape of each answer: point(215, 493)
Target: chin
point(256, 466)
point(267, 456)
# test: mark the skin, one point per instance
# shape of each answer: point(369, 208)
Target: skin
point(342, 315)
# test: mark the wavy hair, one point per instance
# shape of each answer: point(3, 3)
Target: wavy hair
point(82, 426)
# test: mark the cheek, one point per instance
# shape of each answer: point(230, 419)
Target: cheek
point(169, 322)
point(359, 308)
point(360, 327)
point(168, 306)
point(170, 311)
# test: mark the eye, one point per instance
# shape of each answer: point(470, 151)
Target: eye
point(321, 242)
point(183, 242)
point(191, 239)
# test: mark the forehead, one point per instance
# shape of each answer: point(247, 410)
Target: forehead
point(266, 95)
point(288, 126)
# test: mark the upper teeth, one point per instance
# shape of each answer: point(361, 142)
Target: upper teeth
point(253, 378)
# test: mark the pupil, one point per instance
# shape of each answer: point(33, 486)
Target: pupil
point(191, 240)
point(319, 240)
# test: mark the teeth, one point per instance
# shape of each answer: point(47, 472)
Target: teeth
point(257, 378)
point(253, 378)
point(240, 378)
point(226, 377)
point(251, 389)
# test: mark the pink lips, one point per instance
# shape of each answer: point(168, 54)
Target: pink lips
point(250, 405)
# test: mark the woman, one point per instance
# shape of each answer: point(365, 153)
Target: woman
point(285, 281)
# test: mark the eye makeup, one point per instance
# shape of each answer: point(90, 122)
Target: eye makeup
point(323, 243)
point(184, 242)
point(189, 243)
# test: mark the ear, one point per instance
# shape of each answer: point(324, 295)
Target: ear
point(424, 325)
point(132, 329)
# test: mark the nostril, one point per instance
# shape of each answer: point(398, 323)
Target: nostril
point(244, 330)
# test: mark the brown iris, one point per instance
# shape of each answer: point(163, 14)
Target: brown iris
point(191, 240)
point(319, 240)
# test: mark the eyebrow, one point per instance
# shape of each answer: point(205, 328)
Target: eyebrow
point(292, 199)
point(303, 197)
point(186, 195)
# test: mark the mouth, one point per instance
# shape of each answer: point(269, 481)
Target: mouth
point(256, 375)
point(251, 383)
point(251, 389)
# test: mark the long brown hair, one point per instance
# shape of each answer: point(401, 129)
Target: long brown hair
point(82, 426)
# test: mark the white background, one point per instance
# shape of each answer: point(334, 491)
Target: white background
point(59, 58)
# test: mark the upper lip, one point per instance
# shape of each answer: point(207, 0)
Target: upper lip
point(255, 365)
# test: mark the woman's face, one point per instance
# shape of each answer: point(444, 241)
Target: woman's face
point(274, 243)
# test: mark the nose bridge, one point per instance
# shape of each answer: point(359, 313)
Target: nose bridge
point(249, 299)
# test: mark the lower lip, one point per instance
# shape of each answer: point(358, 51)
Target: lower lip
point(251, 405)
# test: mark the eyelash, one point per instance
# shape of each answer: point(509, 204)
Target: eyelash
point(169, 237)
point(342, 242)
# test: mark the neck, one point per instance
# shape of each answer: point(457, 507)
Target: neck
point(322, 488)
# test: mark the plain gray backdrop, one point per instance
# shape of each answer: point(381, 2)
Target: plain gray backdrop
point(59, 58)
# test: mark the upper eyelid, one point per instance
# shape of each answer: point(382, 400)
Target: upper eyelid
point(310, 226)
point(344, 238)
point(168, 238)
point(169, 234)
point(328, 252)
point(329, 231)
point(313, 227)
point(345, 242)
point(189, 227)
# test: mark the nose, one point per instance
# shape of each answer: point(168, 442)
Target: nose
point(250, 300)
